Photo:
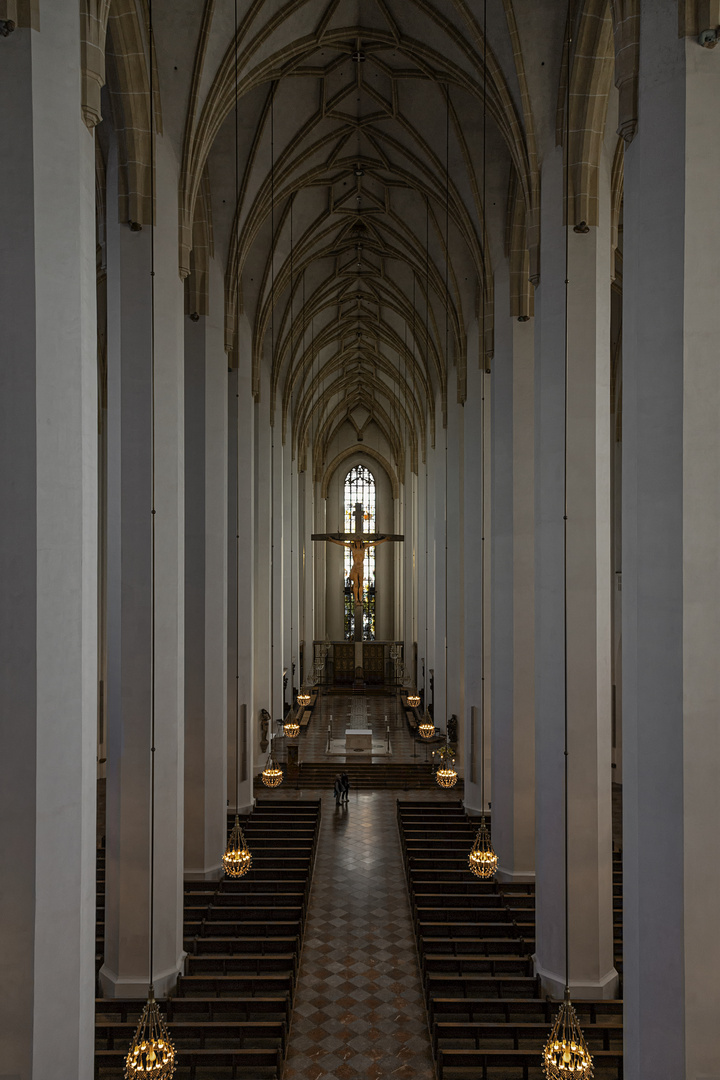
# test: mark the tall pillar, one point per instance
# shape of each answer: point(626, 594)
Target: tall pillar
point(513, 600)
point(455, 583)
point(472, 577)
point(125, 971)
point(306, 571)
point(437, 579)
point(206, 592)
point(245, 554)
point(409, 570)
point(262, 495)
point(592, 971)
point(671, 561)
point(48, 554)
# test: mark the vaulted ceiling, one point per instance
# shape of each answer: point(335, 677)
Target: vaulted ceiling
point(334, 150)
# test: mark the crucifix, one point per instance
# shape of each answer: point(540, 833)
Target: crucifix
point(359, 543)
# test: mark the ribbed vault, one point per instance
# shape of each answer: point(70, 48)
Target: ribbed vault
point(357, 246)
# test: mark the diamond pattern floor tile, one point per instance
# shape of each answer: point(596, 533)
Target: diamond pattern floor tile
point(359, 1008)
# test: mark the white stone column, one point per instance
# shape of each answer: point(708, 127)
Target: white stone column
point(243, 450)
point(262, 495)
point(206, 588)
point(287, 557)
point(48, 554)
point(437, 574)
point(422, 564)
point(513, 600)
point(319, 561)
point(671, 561)
point(125, 971)
point(306, 572)
point(278, 537)
point(592, 972)
point(455, 583)
point(472, 579)
point(408, 569)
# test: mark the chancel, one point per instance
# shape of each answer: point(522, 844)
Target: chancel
point(360, 539)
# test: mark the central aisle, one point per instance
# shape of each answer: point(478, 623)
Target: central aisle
point(359, 1009)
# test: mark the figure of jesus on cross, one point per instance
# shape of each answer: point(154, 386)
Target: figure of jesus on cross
point(358, 544)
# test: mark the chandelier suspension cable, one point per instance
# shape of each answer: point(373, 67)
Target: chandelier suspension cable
point(446, 774)
point(426, 725)
point(292, 530)
point(565, 1054)
point(272, 775)
point(291, 729)
point(237, 448)
point(482, 859)
point(151, 1051)
point(426, 719)
point(565, 501)
point(413, 698)
point(483, 429)
point(447, 374)
point(152, 481)
point(237, 859)
point(272, 418)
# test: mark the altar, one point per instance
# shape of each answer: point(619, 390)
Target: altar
point(358, 739)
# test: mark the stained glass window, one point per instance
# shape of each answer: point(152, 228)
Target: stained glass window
point(360, 488)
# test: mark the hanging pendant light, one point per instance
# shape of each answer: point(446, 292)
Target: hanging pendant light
point(272, 774)
point(482, 860)
point(304, 698)
point(446, 775)
point(291, 728)
point(151, 1053)
point(413, 700)
point(237, 859)
point(426, 727)
point(565, 1055)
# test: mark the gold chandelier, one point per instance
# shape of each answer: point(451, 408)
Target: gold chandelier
point(426, 727)
point(291, 728)
point(237, 859)
point(482, 859)
point(151, 1052)
point(272, 774)
point(446, 775)
point(413, 700)
point(303, 698)
point(565, 1054)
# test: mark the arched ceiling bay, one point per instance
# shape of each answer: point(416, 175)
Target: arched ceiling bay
point(356, 247)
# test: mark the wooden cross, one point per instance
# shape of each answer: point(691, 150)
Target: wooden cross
point(358, 545)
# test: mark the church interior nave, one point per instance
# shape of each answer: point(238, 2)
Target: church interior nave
point(359, 413)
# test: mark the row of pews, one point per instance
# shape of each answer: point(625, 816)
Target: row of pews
point(230, 1013)
point(475, 940)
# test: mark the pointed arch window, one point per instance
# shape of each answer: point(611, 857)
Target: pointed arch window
point(360, 488)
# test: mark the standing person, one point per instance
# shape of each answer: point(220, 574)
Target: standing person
point(345, 781)
point(338, 791)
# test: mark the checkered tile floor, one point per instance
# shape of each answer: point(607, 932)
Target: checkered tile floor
point(359, 1009)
